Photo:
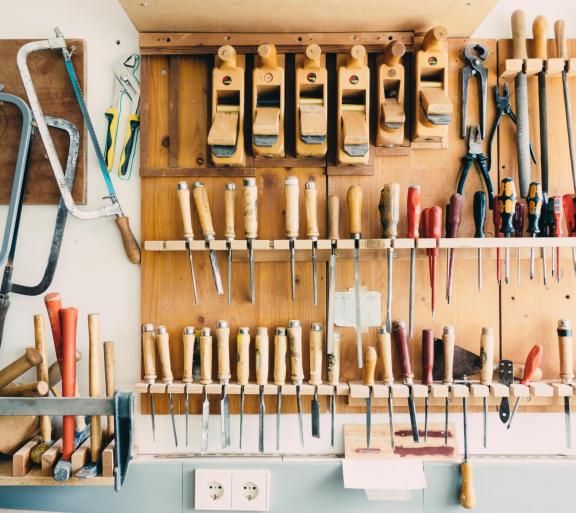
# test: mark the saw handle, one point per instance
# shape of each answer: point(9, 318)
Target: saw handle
point(384, 346)
point(205, 357)
point(540, 35)
point(131, 246)
point(401, 340)
point(291, 194)
point(262, 347)
point(229, 208)
point(243, 363)
point(414, 211)
point(486, 356)
point(448, 338)
point(354, 199)
point(519, 35)
point(316, 355)
point(280, 348)
point(370, 358)
point(223, 349)
point(68, 322)
point(203, 210)
point(560, 37)
point(311, 203)
point(566, 350)
point(333, 217)
point(467, 492)
point(389, 208)
point(427, 356)
point(532, 365)
point(188, 342)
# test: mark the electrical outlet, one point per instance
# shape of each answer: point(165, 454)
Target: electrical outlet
point(250, 490)
point(212, 490)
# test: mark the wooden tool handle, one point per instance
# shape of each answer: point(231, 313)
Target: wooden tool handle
point(295, 344)
point(432, 41)
point(163, 347)
point(560, 37)
point(31, 358)
point(223, 348)
point(354, 198)
point(384, 345)
point(261, 345)
point(40, 388)
point(532, 365)
point(333, 217)
point(229, 207)
point(313, 54)
point(370, 358)
point(394, 52)
point(519, 35)
point(280, 351)
point(53, 304)
point(268, 56)
point(292, 213)
point(566, 350)
point(356, 57)
point(203, 210)
point(427, 356)
point(205, 356)
point(401, 339)
point(149, 353)
point(42, 375)
point(389, 208)
point(95, 383)
point(227, 56)
point(68, 323)
point(333, 363)
point(188, 340)
point(311, 203)
point(454, 215)
point(486, 356)
point(414, 211)
point(316, 335)
point(467, 492)
point(131, 246)
point(540, 34)
point(243, 362)
point(110, 379)
point(183, 193)
point(250, 196)
point(448, 339)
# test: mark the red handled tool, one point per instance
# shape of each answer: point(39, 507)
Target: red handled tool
point(427, 368)
point(454, 215)
point(432, 228)
point(558, 232)
point(569, 215)
point(414, 213)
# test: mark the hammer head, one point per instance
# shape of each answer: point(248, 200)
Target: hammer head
point(62, 470)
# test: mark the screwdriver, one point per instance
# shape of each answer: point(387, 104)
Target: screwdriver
point(163, 347)
point(229, 233)
point(280, 346)
point(486, 373)
point(354, 199)
point(370, 365)
point(534, 203)
point(315, 375)
point(566, 348)
point(569, 215)
point(543, 225)
point(261, 346)
point(188, 340)
point(455, 217)
point(149, 359)
point(292, 223)
point(250, 196)
point(223, 348)
point(389, 208)
point(550, 219)
point(427, 367)
point(558, 232)
point(507, 208)
point(312, 232)
point(333, 375)
point(414, 213)
point(479, 210)
point(333, 235)
point(519, 231)
point(183, 193)
point(433, 230)
point(205, 379)
point(532, 365)
point(297, 371)
point(448, 378)
point(385, 353)
point(242, 369)
point(497, 220)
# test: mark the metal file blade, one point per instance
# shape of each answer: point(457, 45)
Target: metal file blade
point(261, 413)
point(171, 404)
point(225, 417)
point(315, 414)
point(205, 416)
point(216, 273)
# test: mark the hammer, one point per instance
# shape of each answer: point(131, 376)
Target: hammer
point(30, 358)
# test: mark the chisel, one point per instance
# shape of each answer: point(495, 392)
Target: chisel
point(149, 359)
point(370, 365)
point(543, 226)
point(403, 349)
point(467, 492)
point(242, 369)
point(558, 232)
point(565, 344)
point(414, 212)
point(280, 348)
point(569, 215)
point(432, 227)
point(291, 193)
point(354, 199)
point(312, 231)
point(507, 202)
point(188, 340)
point(519, 231)
point(455, 217)
point(534, 204)
point(333, 378)
point(297, 372)
point(261, 346)
point(389, 208)
point(333, 235)
point(223, 349)
point(486, 373)
point(448, 378)
point(521, 92)
point(250, 196)
point(385, 354)
point(205, 217)
point(315, 375)
point(205, 379)
point(427, 367)
point(540, 46)
point(479, 210)
point(185, 209)
point(163, 347)
point(229, 232)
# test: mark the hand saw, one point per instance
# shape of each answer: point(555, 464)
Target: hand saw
point(59, 43)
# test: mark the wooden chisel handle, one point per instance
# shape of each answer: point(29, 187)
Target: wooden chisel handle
point(68, 323)
point(295, 345)
point(540, 34)
point(370, 358)
point(42, 374)
point(389, 208)
point(333, 363)
point(333, 217)
point(163, 347)
point(486, 356)
point(149, 353)
point(311, 203)
point(203, 210)
point(427, 356)
point(110, 378)
point(291, 193)
point(467, 492)
point(243, 361)
point(53, 304)
point(565, 343)
point(250, 196)
point(188, 340)
point(30, 358)
point(384, 345)
point(560, 37)
point(414, 211)
point(261, 345)
point(354, 199)
point(95, 383)
point(229, 207)
point(401, 339)
point(448, 338)
point(205, 356)
point(519, 35)
point(280, 351)
point(316, 354)
point(223, 349)
point(183, 193)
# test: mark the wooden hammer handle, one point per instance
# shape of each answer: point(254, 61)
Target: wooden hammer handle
point(30, 358)
point(42, 374)
point(68, 322)
point(53, 304)
point(95, 383)
point(110, 376)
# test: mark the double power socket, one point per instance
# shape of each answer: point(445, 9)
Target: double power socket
point(231, 490)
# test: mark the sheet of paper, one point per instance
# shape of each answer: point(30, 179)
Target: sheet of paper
point(370, 308)
point(383, 474)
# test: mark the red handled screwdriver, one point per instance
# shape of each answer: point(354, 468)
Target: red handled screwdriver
point(558, 232)
point(414, 213)
point(455, 216)
point(433, 230)
point(569, 214)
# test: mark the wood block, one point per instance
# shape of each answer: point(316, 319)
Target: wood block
point(81, 456)
point(50, 457)
point(518, 390)
point(21, 461)
point(541, 389)
point(224, 129)
point(499, 390)
point(267, 121)
point(15, 431)
point(354, 127)
point(108, 460)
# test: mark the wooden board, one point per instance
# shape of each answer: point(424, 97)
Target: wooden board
point(57, 99)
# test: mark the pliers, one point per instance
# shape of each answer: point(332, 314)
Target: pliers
point(475, 155)
point(474, 56)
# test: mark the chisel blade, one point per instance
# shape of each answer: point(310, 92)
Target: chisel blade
point(426, 405)
point(187, 413)
point(225, 417)
point(331, 293)
point(261, 413)
point(568, 422)
point(171, 404)
point(412, 411)
point(389, 259)
point(300, 422)
point(292, 270)
point(251, 267)
point(241, 414)
point(216, 273)
point(391, 418)
point(332, 415)
point(205, 417)
point(229, 271)
point(485, 422)
point(314, 273)
point(368, 418)
point(193, 274)
point(152, 415)
point(358, 320)
point(446, 414)
point(278, 414)
point(315, 414)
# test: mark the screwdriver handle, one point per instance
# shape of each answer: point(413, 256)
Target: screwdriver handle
point(550, 217)
point(292, 213)
point(448, 339)
point(401, 340)
point(261, 345)
point(243, 358)
point(149, 353)
point(540, 35)
point(294, 332)
point(497, 217)
point(557, 213)
point(370, 358)
point(427, 356)
point(188, 341)
point(384, 345)
point(519, 219)
point(205, 356)
point(163, 347)
point(569, 212)
point(229, 207)
point(250, 197)
point(183, 193)
point(560, 37)
point(316, 354)
point(479, 208)
point(507, 199)
point(414, 210)
point(311, 203)
point(534, 204)
point(434, 223)
point(203, 210)
point(533, 361)
point(333, 363)
point(486, 355)
point(519, 35)
point(565, 343)
point(467, 492)
point(223, 349)
point(354, 199)
point(389, 208)
point(333, 217)
point(280, 348)
point(455, 215)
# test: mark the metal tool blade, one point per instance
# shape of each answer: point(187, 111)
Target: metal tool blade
point(315, 414)
point(292, 270)
point(357, 301)
point(300, 422)
point(465, 422)
point(446, 414)
point(261, 413)
point(216, 273)
point(412, 411)
point(332, 414)
point(171, 404)
point(426, 405)
point(330, 306)
point(412, 292)
point(389, 259)
point(543, 115)
point(314, 274)
point(251, 266)
point(229, 245)
point(187, 413)
point(152, 415)
point(205, 417)
point(506, 377)
point(568, 422)
point(241, 414)
point(278, 414)
point(264, 141)
point(192, 273)
point(391, 417)
point(225, 417)
point(516, 403)
point(522, 132)
point(368, 418)
point(569, 125)
point(356, 150)
point(485, 422)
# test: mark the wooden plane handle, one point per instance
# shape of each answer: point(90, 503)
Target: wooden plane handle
point(95, 383)
point(229, 207)
point(280, 351)
point(110, 379)
point(486, 355)
point(316, 339)
point(188, 341)
point(291, 193)
point(203, 209)
point(205, 356)
point(261, 346)
point(540, 34)
point(393, 53)
point(163, 348)
point(183, 193)
point(313, 54)
point(250, 196)
point(433, 39)
point(223, 350)
point(560, 37)
point(370, 358)
point(356, 57)
point(149, 353)
point(354, 198)
point(243, 361)
point(333, 361)
point(30, 358)
point(311, 203)
point(519, 35)
point(333, 217)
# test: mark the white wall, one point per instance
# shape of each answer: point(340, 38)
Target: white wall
point(95, 276)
